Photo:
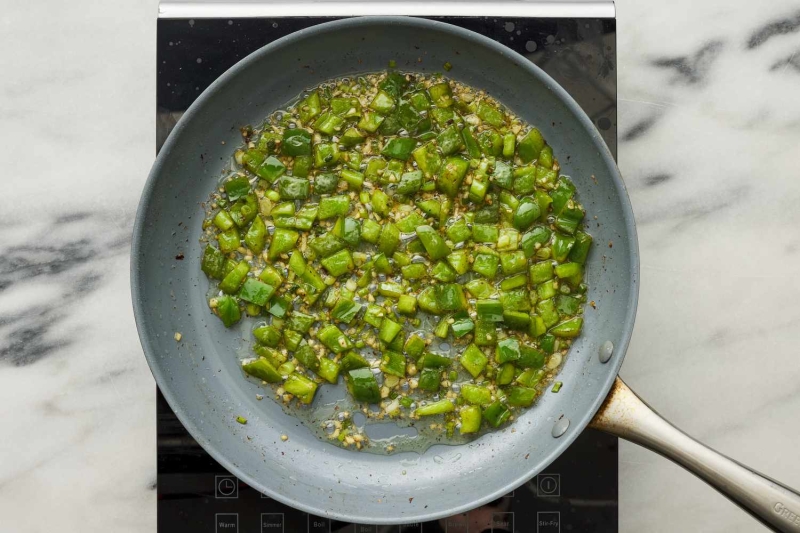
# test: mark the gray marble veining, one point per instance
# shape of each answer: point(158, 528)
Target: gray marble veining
point(709, 123)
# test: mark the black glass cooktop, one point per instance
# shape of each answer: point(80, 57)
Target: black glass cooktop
point(578, 492)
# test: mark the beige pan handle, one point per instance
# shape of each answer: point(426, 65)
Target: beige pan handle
point(625, 415)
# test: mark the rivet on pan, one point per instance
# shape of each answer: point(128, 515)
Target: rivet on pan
point(560, 427)
point(605, 351)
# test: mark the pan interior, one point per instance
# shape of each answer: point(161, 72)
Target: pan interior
point(200, 376)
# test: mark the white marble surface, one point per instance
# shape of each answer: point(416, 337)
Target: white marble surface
point(709, 123)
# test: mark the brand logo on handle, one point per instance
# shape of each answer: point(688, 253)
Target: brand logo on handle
point(786, 513)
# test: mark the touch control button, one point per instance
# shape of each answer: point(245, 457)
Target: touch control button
point(271, 522)
point(548, 485)
point(227, 522)
point(226, 487)
point(503, 522)
point(317, 524)
point(548, 522)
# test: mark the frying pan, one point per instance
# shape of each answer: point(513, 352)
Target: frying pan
point(201, 377)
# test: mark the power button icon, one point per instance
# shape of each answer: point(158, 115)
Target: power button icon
point(226, 487)
point(548, 485)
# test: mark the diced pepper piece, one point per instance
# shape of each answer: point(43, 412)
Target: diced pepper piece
point(462, 324)
point(485, 233)
point(256, 292)
point(538, 235)
point(509, 145)
point(513, 262)
point(389, 239)
point(339, 263)
point(517, 320)
point(507, 350)
point(479, 288)
point(351, 361)
point(380, 202)
point(470, 418)
point(267, 335)
point(300, 386)
point(414, 271)
point(474, 360)
point(228, 310)
point(486, 263)
point(374, 315)
point(433, 242)
point(432, 360)
point(569, 328)
point(520, 396)
point(326, 155)
point(292, 339)
point(333, 339)
point(459, 231)
point(562, 245)
point(305, 272)
point(428, 159)
point(390, 289)
point(263, 370)
point(414, 346)
point(235, 278)
point(475, 394)
point(306, 356)
point(432, 208)
point(490, 114)
point(527, 213)
point(530, 146)
point(505, 374)
point(430, 379)
point(530, 357)
point(310, 107)
point(410, 182)
point(370, 231)
point(485, 333)
point(407, 305)
point(389, 330)
point(362, 385)
point(459, 261)
point(223, 220)
point(489, 310)
point(283, 240)
point(442, 328)
point(236, 188)
point(436, 408)
point(345, 310)
point(256, 236)
point(213, 263)
point(328, 123)
point(278, 307)
point(441, 95)
point(580, 250)
point(328, 370)
point(546, 290)
point(570, 218)
point(273, 356)
point(449, 140)
point(393, 363)
point(546, 309)
point(399, 148)
point(326, 245)
point(451, 175)
point(296, 142)
point(333, 206)
point(383, 103)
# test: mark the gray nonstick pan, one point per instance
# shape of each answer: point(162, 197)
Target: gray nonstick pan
point(201, 378)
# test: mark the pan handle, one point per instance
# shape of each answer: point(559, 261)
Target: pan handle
point(625, 415)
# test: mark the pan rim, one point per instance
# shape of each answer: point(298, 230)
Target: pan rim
point(139, 228)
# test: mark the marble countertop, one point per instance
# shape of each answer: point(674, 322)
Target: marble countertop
point(709, 123)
